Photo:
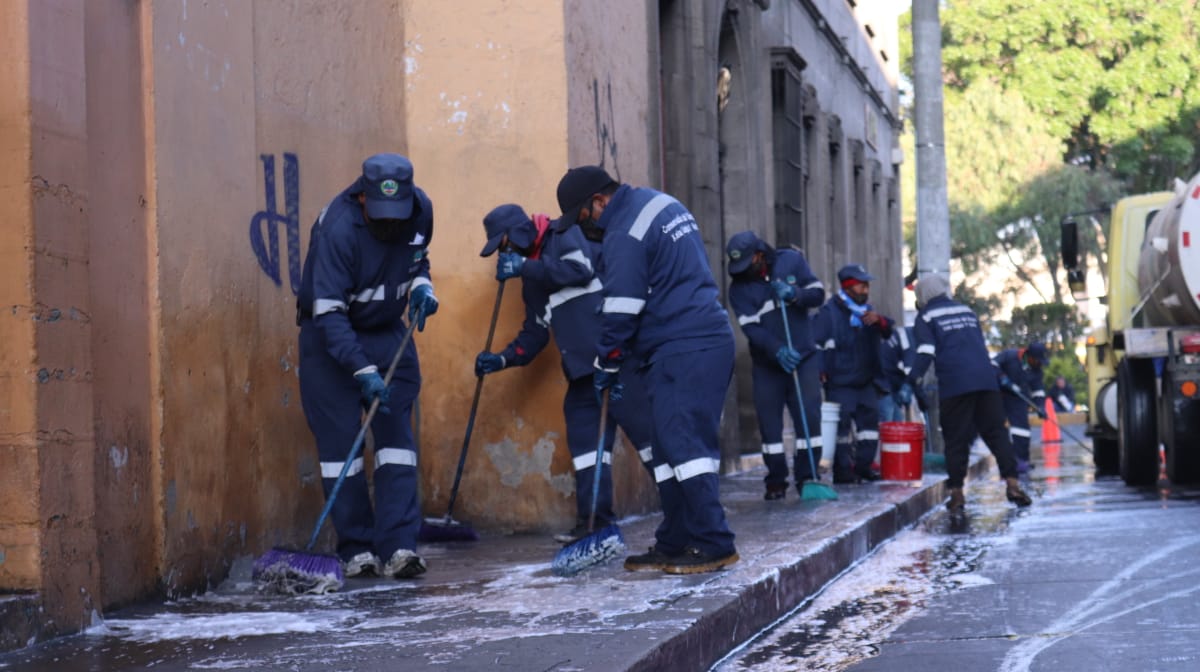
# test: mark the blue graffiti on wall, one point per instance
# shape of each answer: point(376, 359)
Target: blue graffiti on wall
point(264, 226)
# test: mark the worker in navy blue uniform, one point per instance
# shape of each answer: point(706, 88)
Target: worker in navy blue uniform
point(662, 307)
point(562, 295)
point(895, 358)
point(947, 334)
point(367, 263)
point(1063, 395)
point(769, 286)
point(1019, 371)
point(850, 333)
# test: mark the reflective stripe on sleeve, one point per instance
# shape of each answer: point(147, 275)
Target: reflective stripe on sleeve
point(577, 255)
point(646, 454)
point(588, 460)
point(420, 280)
point(371, 294)
point(927, 349)
point(697, 467)
point(948, 310)
point(816, 284)
point(649, 211)
point(334, 469)
point(322, 306)
point(568, 293)
point(624, 305)
point(757, 317)
point(663, 472)
point(829, 345)
point(404, 457)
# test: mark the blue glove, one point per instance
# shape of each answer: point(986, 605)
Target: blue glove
point(509, 265)
point(788, 358)
point(373, 387)
point(904, 395)
point(605, 379)
point(783, 291)
point(421, 304)
point(487, 362)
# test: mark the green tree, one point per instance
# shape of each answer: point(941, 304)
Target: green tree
point(1118, 81)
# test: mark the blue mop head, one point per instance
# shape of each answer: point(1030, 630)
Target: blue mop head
point(594, 549)
point(445, 529)
point(289, 572)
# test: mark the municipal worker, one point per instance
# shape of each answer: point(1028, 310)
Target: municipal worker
point(1063, 395)
point(895, 358)
point(562, 294)
point(367, 263)
point(1019, 371)
point(948, 335)
point(850, 332)
point(768, 287)
point(662, 307)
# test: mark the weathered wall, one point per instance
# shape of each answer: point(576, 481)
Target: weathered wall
point(19, 520)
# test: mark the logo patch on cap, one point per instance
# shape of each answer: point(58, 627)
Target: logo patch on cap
point(791, 279)
point(389, 187)
point(735, 254)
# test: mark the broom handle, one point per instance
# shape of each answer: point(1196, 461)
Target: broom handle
point(358, 440)
point(462, 456)
point(787, 332)
point(599, 461)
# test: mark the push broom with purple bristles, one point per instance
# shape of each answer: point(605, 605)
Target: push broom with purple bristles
point(298, 572)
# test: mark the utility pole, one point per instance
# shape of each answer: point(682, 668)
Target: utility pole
point(933, 211)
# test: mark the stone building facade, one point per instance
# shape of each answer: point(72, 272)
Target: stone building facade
point(164, 160)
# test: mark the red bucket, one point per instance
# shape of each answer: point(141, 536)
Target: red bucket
point(901, 448)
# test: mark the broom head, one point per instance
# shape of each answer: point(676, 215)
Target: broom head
point(290, 572)
point(445, 529)
point(813, 490)
point(594, 549)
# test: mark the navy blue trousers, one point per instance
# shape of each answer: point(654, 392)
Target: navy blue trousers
point(581, 411)
point(860, 405)
point(687, 396)
point(1017, 412)
point(774, 389)
point(332, 401)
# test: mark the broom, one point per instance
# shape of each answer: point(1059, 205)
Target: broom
point(296, 572)
point(447, 528)
point(597, 546)
point(811, 489)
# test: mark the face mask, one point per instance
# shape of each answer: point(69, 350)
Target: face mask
point(386, 230)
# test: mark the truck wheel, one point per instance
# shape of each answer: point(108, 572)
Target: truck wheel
point(1183, 416)
point(1105, 456)
point(1137, 437)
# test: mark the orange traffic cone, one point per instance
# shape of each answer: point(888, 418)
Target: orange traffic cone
point(1050, 430)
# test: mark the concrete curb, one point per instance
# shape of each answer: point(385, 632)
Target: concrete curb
point(761, 603)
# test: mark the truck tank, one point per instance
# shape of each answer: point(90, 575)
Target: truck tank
point(1169, 262)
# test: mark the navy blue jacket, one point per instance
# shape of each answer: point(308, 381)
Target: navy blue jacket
point(1008, 363)
point(948, 333)
point(896, 355)
point(660, 297)
point(561, 293)
point(353, 282)
point(756, 308)
point(851, 357)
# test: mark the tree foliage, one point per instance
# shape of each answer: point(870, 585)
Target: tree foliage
point(1117, 81)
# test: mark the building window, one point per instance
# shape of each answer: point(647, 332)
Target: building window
point(787, 103)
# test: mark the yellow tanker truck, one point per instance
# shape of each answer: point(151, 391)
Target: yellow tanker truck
point(1143, 358)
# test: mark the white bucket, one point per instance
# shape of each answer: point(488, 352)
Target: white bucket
point(830, 410)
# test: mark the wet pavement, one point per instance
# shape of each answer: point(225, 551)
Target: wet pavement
point(1094, 576)
point(494, 604)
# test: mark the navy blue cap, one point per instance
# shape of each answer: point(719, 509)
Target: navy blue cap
point(576, 188)
point(387, 182)
point(510, 219)
point(1037, 351)
point(740, 250)
point(854, 272)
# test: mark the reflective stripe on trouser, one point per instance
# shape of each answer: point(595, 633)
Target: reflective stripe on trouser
point(687, 395)
point(860, 404)
point(581, 412)
point(773, 391)
point(334, 411)
point(1017, 413)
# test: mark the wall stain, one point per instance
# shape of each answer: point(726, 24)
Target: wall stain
point(514, 465)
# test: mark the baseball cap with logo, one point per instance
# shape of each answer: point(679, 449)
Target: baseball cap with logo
point(387, 182)
point(854, 272)
point(740, 250)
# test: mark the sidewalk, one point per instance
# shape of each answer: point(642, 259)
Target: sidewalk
point(494, 604)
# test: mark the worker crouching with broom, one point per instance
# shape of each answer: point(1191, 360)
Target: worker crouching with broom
point(661, 306)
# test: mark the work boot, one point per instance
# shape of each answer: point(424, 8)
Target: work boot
point(1015, 494)
point(957, 502)
point(696, 561)
point(404, 564)
point(362, 564)
point(576, 533)
point(868, 475)
point(651, 559)
point(844, 478)
point(775, 491)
